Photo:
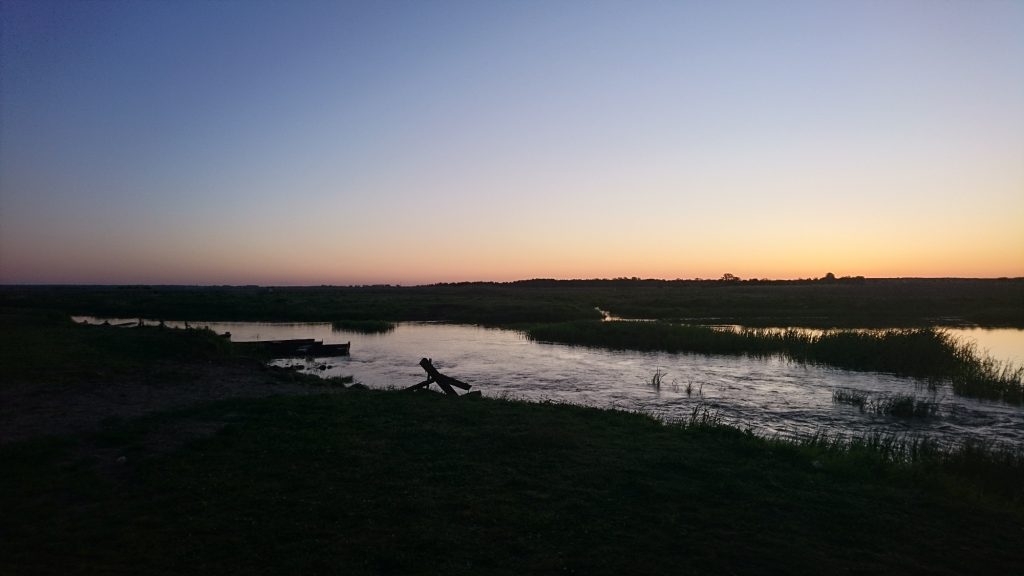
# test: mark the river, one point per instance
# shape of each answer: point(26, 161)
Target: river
point(767, 395)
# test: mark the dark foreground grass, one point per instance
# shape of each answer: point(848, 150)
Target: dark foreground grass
point(386, 483)
point(927, 353)
point(368, 482)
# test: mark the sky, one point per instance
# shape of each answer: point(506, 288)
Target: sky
point(411, 142)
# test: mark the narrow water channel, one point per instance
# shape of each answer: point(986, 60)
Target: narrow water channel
point(768, 395)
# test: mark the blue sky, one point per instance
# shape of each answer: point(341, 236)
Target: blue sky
point(409, 142)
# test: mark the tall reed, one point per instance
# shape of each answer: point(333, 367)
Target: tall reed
point(363, 326)
point(928, 353)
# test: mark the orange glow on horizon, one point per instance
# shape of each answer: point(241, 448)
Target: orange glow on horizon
point(435, 260)
point(880, 144)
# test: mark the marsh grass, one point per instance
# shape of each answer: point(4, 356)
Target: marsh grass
point(904, 406)
point(930, 354)
point(999, 465)
point(363, 326)
point(982, 376)
point(702, 416)
point(849, 396)
point(690, 391)
point(657, 379)
point(898, 405)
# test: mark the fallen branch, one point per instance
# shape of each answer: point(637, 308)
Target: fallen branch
point(446, 383)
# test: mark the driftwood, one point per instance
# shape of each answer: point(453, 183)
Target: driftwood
point(446, 383)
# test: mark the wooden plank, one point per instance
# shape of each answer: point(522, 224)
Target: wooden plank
point(421, 386)
point(441, 379)
point(447, 389)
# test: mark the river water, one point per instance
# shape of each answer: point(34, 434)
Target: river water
point(767, 395)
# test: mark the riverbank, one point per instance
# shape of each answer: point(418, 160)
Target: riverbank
point(59, 377)
point(376, 482)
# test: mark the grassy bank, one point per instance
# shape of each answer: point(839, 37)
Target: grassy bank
point(386, 483)
point(922, 352)
point(841, 303)
point(57, 376)
point(47, 347)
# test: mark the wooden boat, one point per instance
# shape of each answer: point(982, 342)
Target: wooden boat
point(297, 348)
point(332, 349)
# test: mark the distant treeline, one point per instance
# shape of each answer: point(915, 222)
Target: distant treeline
point(826, 302)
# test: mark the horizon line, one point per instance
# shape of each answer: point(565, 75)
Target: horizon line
point(724, 280)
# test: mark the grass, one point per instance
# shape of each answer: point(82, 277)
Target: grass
point(906, 406)
point(48, 347)
point(363, 326)
point(925, 353)
point(984, 377)
point(845, 303)
point(898, 405)
point(657, 379)
point(370, 482)
point(988, 467)
point(857, 398)
point(354, 306)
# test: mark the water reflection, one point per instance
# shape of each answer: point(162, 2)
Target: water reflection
point(1002, 344)
point(770, 395)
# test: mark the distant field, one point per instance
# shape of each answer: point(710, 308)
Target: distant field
point(839, 303)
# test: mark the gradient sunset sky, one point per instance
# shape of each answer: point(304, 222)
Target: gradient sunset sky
point(425, 141)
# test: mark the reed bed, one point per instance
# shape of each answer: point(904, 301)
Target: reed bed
point(898, 405)
point(856, 398)
point(930, 354)
point(363, 326)
point(998, 466)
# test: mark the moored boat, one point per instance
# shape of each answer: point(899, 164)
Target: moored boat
point(300, 347)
